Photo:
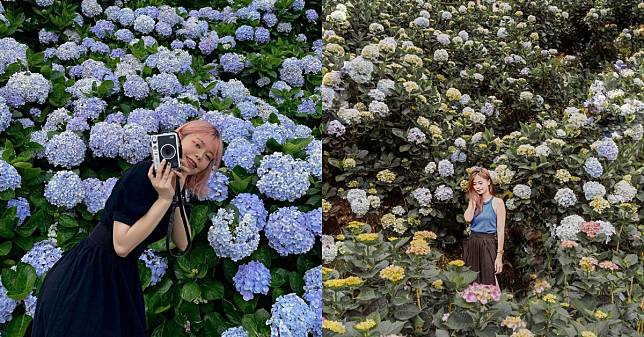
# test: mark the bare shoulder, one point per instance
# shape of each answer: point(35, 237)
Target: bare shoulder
point(498, 202)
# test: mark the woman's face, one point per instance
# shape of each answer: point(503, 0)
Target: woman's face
point(197, 153)
point(481, 184)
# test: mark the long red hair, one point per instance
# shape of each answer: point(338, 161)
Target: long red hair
point(198, 184)
point(471, 193)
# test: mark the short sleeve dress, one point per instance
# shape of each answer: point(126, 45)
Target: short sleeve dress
point(90, 290)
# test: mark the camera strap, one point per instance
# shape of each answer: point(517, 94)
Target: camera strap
point(178, 199)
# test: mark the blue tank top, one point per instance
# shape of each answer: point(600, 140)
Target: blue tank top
point(485, 222)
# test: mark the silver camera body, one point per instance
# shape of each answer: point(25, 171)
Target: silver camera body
point(166, 146)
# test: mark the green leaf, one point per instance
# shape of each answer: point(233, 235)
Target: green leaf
point(263, 255)
point(9, 153)
point(20, 282)
point(29, 226)
point(296, 282)
point(198, 218)
point(67, 221)
point(190, 291)
point(247, 307)
point(279, 276)
point(168, 329)
point(5, 248)
point(7, 223)
point(17, 327)
point(460, 321)
point(213, 290)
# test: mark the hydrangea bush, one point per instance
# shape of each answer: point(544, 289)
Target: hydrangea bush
point(82, 86)
point(548, 96)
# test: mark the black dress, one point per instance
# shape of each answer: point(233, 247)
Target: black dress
point(91, 291)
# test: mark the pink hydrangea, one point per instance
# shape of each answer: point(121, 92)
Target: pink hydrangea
point(482, 293)
point(591, 228)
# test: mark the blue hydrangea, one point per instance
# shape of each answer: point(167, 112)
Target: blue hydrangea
point(247, 109)
point(445, 168)
point(443, 193)
point(233, 240)
point(270, 19)
point(252, 278)
point(7, 305)
point(115, 118)
point(190, 44)
point(291, 72)
point(9, 177)
point(593, 167)
point(307, 106)
point(44, 3)
point(313, 295)
point(124, 35)
point(311, 64)
point(5, 115)
point(136, 87)
point(172, 114)
point(30, 305)
point(314, 221)
point(217, 187)
point(24, 87)
point(65, 189)
point(39, 137)
point(22, 208)
point(291, 316)
point(314, 153)
point(565, 197)
point(148, 41)
point(232, 62)
point(136, 144)
point(244, 33)
point(163, 29)
point(208, 43)
point(56, 118)
point(91, 8)
point(311, 15)
point(145, 118)
point(233, 89)
point(144, 24)
point(241, 152)
point(96, 193)
point(266, 131)
point(45, 37)
point(103, 28)
point(281, 177)
point(284, 27)
point(66, 149)
point(157, 265)
point(165, 84)
point(297, 5)
point(105, 139)
point(253, 204)
point(607, 149)
point(11, 51)
point(235, 332)
point(42, 256)
point(125, 16)
point(90, 107)
point(288, 233)
point(229, 127)
point(593, 189)
point(262, 35)
point(228, 42)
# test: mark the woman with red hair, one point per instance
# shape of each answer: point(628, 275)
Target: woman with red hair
point(94, 289)
point(483, 250)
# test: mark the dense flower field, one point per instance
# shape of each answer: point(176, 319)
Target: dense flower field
point(84, 84)
point(548, 96)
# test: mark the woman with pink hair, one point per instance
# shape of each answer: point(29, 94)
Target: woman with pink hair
point(94, 289)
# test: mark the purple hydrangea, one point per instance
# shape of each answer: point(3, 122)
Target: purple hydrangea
point(145, 118)
point(96, 193)
point(291, 72)
point(136, 87)
point(443, 193)
point(7, 305)
point(607, 149)
point(22, 208)
point(244, 33)
point(235, 332)
point(91, 107)
point(233, 240)
point(9, 177)
point(65, 189)
point(241, 152)
point(208, 43)
point(253, 204)
point(593, 167)
point(281, 177)
point(262, 35)
point(291, 316)
point(287, 231)
point(165, 84)
point(157, 265)
point(105, 139)
point(217, 187)
point(252, 278)
point(103, 28)
point(232, 62)
point(42, 256)
point(66, 149)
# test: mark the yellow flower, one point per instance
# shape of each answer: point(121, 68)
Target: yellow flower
point(372, 191)
point(367, 237)
point(438, 284)
point(526, 150)
point(393, 238)
point(457, 263)
point(348, 163)
point(534, 36)
point(599, 204)
point(627, 178)
point(333, 326)
point(423, 122)
point(425, 235)
point(563, 175)
point(413, 221)
point(588, 263)
point(440, 77)
point(410, 86)
point(588, 334)
point(453, 94)
point(435, 130)
point(355, 225)
point(418, 247)
point(392, 273)
point(365, 325)
point(413, 60)
point(386, 176)
point(465, 185)
point(550, 298)
point(600, 314)
point(482, 146)
point(350, 281)
point(340, 237)
point(353, 184)
point(326, 206)
point(565, 305)
point(326, 271)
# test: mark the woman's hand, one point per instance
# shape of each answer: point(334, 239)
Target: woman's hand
point(498, 264)
point(162, 181)
point(182, 178)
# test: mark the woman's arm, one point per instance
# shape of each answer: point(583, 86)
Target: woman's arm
point(178, 232)
point(125, 238)
point(500, 225)
point(469, 212)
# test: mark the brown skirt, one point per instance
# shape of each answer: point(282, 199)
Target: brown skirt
point(479, 252)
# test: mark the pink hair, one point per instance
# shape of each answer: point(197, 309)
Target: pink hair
point(198, 184)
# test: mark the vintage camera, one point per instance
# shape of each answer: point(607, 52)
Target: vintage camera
point(166, 146)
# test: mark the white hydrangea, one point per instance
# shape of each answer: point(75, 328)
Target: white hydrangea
point(607, 229)
point(359, 69)
point(379, 108)
point(415, 135)
point(430, 168)
point(374, 201)
point(542, 150)
point(592, 189)
point(565, 197)
point(329, 249)
point(441, 55)
point(423, 196)
point(509, 204)
point(522, 191)
point(349, 116)
point(398, 210)
point(569, 227)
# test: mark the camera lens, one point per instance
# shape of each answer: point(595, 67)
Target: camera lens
point(168, 151)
